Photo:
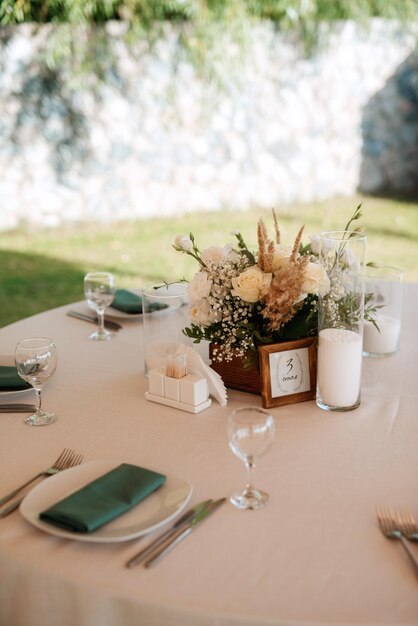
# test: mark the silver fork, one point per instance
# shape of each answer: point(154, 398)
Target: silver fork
point(391, 529)
point(68, 458)
point(407, 524)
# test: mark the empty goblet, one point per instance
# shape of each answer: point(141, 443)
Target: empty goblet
point(99, 289)
point(36, 361)
point(250, 432)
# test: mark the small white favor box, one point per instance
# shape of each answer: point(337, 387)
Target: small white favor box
point(190, 393)
point(156, 381)
point(193, 389)
point(172, 388)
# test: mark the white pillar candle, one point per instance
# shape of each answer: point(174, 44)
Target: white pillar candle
point(339, 366)
point(387, 340)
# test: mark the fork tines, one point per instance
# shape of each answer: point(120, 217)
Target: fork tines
point(385, 519)
point(407, 523)
point(68, 458)
point(401, 521)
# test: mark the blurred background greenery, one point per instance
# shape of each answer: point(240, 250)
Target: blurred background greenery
point(43, 268)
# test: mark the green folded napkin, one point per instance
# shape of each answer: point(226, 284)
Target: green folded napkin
point(10, 379)
point(130, 302)
point(107, 497)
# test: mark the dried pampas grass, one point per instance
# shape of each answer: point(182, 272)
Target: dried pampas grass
point(281, 301)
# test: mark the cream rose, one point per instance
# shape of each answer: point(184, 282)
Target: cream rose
point(199, 287)
point(316, 280)
point(281, 256)
point(251, 284)
point(201, 313)
point(183, 242)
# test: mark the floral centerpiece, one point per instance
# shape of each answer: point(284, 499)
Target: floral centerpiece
point(240, 299)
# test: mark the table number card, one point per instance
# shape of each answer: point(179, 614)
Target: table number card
point(288, 372)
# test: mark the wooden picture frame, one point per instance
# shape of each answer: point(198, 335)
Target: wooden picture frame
point(288, 372)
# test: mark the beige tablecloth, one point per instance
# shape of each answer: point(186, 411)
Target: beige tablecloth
point(313, 556)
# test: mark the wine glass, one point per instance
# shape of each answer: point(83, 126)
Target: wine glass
point(99, 289)
point(36, 361)
point(250, 432)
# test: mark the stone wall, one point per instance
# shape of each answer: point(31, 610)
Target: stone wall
point(154, 140)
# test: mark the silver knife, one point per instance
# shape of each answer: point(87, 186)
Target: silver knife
point(93, 320)
point(182, 533)
point(17, 408)
point(181, 523)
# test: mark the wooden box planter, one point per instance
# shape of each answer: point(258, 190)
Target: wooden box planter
point(277, 387)
point(236, 376)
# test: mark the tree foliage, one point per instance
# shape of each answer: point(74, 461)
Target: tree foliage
point(148, 12)
point(206, 27)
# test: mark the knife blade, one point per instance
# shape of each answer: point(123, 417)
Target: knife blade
point(93, 320)
point(159, 553)
point(181, 523)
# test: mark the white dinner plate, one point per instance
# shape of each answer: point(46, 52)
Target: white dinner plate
point(157, 509)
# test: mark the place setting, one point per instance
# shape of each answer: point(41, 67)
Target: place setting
point(14, 388)
point(113, 306)
point(80, 499)
point(35, 361)
point(108, 502)
point(105, 501)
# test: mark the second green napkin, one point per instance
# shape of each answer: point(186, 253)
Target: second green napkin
point(10, 379)
point(104, 499)
point(127, 301)
point(130, 302)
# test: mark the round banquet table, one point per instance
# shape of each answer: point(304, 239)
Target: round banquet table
point(313, 556)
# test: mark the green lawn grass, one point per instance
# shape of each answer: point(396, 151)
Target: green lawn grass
point(44, 268)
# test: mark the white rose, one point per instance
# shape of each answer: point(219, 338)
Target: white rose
point(215, 255)
point(199, 287)
point(183, 242)
point(316, 280)
point(201, 313)
point(251, 284)
point(281, 256)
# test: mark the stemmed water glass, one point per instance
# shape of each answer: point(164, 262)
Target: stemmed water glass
point(36, 361)
point(99, 289)
point(250, 432)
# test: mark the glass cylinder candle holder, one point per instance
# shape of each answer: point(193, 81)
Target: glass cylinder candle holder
point(340, 320)
point(164, 318)
point(384, 295)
